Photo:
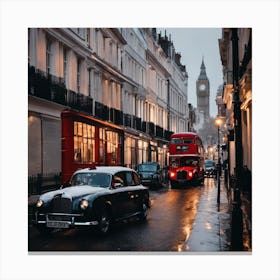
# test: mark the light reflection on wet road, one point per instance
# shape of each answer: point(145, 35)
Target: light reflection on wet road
point(168, 227)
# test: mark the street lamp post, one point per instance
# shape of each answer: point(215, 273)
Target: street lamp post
point(218, 122)
point(237, 215)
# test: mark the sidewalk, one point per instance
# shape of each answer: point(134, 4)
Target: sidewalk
point(211, 230)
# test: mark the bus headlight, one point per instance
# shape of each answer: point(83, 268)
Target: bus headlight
point(172, 174)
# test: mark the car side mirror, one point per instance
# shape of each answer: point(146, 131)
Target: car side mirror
point(116, 185)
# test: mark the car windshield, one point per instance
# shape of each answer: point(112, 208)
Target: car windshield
point(209, 163)
point(92, 179)
point(147, 167)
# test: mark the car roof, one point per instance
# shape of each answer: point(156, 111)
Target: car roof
point(104, 169)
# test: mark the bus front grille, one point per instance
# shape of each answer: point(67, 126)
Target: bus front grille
point(182, 174)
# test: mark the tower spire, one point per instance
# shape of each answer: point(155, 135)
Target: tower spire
point(202, 75)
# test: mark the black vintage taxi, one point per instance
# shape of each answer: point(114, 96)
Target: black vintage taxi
point(151, 174)
point(96, 197)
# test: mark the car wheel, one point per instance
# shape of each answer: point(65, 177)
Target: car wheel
point(104, 222)
point(144, 212)
point(201, 182)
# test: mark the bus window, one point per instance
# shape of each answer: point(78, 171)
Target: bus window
point(175, 141)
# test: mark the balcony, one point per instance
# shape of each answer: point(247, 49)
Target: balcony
point(52, 88)
point(159, 131)
point(79, 101)
point(151, 128)
point(101, 111)
point(138, 123)
point(167, 134)
point(116, 116)
point(143, 126)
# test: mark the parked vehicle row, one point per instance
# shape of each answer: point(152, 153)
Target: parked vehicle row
point(210, 168)
point(151, 174)
point(100, 196)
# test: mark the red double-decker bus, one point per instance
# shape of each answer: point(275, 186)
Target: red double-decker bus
point(186, 159)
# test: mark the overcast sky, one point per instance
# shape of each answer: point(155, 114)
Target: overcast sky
point(193, 44)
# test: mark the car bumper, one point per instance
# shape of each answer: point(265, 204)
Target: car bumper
point(209, 174)
point(62, 220)
point(148, 182)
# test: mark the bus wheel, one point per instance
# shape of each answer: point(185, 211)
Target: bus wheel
point(196, 179)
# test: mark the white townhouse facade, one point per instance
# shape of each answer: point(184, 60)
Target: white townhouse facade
point(103, 96)
point(136, 143)
point(178, 103)
point(244, 87)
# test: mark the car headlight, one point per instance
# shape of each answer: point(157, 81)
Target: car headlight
point(39, 203)
point(84, 204)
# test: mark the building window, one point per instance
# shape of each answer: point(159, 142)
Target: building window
point(81, 32)
point(78, 75)
point(89, 82)
point(102, 140)
point(84, 144)
point(65, 66)
point(112, 147)
point(88, 36)
point(48, 55)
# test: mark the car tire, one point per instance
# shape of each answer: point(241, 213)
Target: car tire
point(144, 212)
point(104, 222)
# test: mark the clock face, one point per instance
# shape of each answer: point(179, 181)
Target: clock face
point(202, 87)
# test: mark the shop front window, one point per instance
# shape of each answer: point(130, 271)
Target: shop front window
point(112, 147)
point(101, 146)
point(84, 144)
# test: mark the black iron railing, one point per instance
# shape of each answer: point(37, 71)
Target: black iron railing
point(159, 131)
point(144, 126)
point(41, 183)
point(79, 101)
point(151, 128)
point(52, 88)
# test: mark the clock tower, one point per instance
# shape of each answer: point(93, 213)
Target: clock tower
point(203, 92)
